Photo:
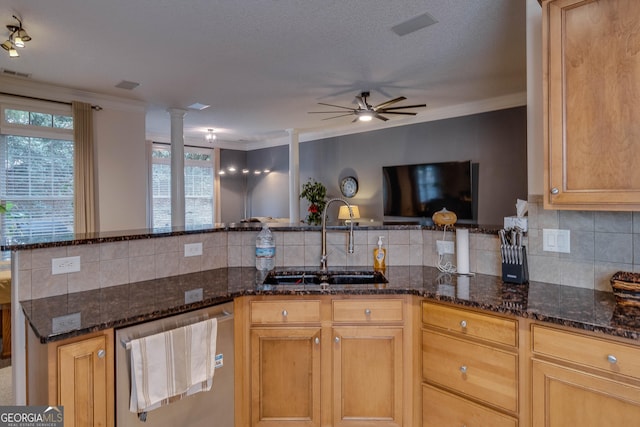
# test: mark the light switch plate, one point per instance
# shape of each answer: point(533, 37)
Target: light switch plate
point(554, 240)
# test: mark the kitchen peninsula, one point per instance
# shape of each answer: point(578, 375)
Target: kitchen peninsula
point(537, 316)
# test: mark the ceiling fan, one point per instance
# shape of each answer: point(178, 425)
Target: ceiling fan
point(366, 112)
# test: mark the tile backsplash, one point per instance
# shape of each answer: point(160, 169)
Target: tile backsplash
point(601, 244)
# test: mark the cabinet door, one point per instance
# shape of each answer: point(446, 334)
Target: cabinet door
point(84, 383)
point(367, 382)
point(285, 377)
point(592, 104)
point(568, 397)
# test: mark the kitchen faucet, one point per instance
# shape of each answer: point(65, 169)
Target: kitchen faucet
point(323, 258)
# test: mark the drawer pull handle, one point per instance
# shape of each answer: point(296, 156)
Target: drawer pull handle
point(317, 340)
point(612, 359)
point(555, 191)
point(285, 313)
point(337, 339)
point(101, 353)
point(367, 312)
point(463, 324)
point(463, 369)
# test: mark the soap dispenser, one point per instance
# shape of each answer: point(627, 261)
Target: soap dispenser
point(379, 256)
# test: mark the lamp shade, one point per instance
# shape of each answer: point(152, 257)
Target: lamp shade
point(344, 212)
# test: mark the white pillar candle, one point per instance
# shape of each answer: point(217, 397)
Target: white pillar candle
point(462, 250)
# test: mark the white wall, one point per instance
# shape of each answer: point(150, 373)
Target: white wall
point(121, 168)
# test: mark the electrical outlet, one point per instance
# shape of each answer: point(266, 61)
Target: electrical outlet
point(445, 247)
point(69, 264)
point(192, 249)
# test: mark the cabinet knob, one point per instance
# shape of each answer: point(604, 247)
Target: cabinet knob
point(101, 353)
point(367, 312)
point(463, 369)
point(463, 323)
point(285, 313)
point(612, 359)
point(337, 339)
point(555, 190)
point(317, 340)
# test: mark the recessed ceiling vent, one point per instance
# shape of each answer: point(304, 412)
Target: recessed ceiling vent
point(15, 73)
point(125, 84)
point(414, 24)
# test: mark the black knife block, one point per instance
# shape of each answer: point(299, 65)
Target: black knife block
point(516, 273)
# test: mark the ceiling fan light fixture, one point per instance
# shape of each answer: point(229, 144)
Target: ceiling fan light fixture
point(7, 45)
point(13, 53)
point(365, 116)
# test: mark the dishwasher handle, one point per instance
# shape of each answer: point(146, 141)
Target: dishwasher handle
point(225, 315)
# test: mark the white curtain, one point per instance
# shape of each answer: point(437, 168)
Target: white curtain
point(85, 212)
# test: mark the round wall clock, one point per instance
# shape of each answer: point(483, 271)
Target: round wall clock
point(349, 186)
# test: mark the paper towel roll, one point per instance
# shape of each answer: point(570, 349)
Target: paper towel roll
point(462, 250)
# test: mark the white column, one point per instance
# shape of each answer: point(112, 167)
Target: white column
point(294, 176)
point(177, 166)
point(217, 205)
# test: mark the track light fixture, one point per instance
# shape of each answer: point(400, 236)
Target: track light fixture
point(17, 38)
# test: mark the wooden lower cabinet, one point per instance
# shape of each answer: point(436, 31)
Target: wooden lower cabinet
point(568, 397)
point(315, 363)
point(441, 409)
point(285, 381)
point(80, 376)
point(582, 380)
point(367, 376)
point(470, 368)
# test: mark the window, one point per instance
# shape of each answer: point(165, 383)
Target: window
point(36, 172)
point(198, 186)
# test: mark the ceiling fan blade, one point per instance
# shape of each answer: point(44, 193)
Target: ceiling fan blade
point(378, 116)
point(391, 101)
point(322, 112)
point(337, 106)
point(398, 112)
point(405, 107)
point(335, 117)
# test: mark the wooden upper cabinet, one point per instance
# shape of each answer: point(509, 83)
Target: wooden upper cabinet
point(591, 82)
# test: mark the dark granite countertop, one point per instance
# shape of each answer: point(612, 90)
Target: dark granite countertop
point(70, 239)
point(129, 304)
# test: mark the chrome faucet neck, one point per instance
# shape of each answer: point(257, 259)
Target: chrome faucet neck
point(323, 257)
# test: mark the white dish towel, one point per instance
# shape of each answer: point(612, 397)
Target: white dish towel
point(172, 365)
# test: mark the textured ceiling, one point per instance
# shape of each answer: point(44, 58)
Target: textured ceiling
point(263, 64)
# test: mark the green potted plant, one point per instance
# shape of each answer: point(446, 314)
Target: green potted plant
point(314, 192)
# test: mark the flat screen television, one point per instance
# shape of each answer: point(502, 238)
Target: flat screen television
point(420, 190)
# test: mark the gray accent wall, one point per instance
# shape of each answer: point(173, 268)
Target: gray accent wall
point(495, 140)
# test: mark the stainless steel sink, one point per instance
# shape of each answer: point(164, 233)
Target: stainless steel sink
point(336, 277)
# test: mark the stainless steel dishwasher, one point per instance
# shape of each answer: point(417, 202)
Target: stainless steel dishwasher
point(214, 407)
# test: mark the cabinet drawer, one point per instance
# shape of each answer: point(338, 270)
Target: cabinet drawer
point(484, 326)
point(440, 408)
point(285, 312)
point(477, 370)
point(593, 352)
point(367, 310)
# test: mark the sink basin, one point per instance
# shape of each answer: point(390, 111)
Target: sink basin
point(331, 277)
